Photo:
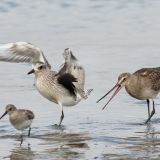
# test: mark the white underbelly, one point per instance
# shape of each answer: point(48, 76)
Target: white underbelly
point(150, 94)
point(23, 125)
point(58, 97)
point(69, 101)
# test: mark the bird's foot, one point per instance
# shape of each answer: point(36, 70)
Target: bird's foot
point(59, 127)
point(152, 113)
point(147, 121)
point(21, 140)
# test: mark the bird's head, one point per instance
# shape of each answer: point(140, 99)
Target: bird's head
point(10, 108)
point(122, 79)
point(38, 67)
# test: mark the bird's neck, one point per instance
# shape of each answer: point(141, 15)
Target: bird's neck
point(132, 86)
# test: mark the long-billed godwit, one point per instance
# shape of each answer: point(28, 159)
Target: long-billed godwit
point(144, 84)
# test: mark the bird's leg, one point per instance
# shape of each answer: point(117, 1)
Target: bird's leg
point(148, 108)
point(152, 113)
point(62, 115)
point(29, 132)
point(21, 139)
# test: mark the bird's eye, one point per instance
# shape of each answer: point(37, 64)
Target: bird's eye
point(10, 109)
point(124, 78)
point(40, 67)
point(66, 49)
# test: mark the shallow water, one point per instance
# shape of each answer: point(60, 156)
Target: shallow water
point(108, 37)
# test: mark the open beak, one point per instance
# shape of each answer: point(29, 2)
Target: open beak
point(32, 71)
point(117, 87)
point(3, 115)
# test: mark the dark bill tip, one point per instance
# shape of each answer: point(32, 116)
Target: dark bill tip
point(3, 115)
point(32, 71)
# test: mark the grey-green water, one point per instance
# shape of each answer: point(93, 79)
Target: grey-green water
point(108, 37)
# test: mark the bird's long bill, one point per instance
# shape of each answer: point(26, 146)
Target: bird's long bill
point(3, 115)
point(32, 71)
point(116, 91)
point(107, 93)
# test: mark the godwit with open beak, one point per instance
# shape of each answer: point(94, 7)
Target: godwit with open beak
point(144, 84)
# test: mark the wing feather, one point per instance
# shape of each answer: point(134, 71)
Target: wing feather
point(22, 52)
point(72, 66)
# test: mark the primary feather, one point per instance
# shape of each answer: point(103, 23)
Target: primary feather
point(22, 52)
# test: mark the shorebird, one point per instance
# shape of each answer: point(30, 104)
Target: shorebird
point(144, 84)
point(65, 87)
point(19, 118)
point(72, 67)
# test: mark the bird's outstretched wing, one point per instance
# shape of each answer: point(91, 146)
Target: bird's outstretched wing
point(72, 66)
point(22, 52)
point(79, 73)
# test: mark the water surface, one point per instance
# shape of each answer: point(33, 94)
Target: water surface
point(108, 37)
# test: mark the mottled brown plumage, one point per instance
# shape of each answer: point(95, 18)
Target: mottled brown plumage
point(153, 74)
point(144, 84)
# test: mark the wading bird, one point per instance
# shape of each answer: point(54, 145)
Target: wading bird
point(144, 84)
point(19, 118)
point(65, 87)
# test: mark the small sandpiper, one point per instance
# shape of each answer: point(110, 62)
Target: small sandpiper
point(19, 118)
